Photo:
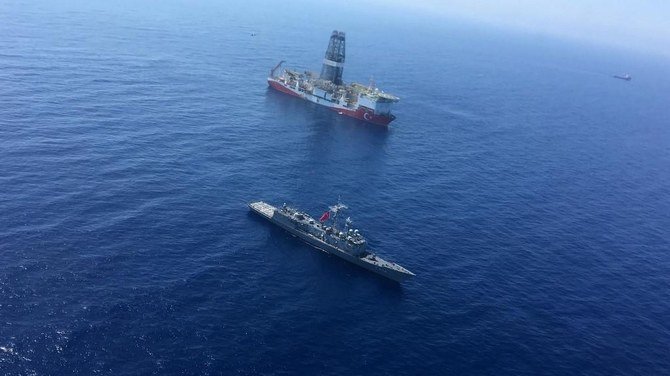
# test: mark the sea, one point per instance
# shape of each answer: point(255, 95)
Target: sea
point(527, 189)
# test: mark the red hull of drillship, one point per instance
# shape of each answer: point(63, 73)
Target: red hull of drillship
point(361, 113)
point(277, 86)
point(366, 115)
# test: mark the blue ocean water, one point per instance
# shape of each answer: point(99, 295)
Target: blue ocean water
point(527, 189)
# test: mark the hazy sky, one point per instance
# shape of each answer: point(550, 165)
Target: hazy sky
point(643, 25)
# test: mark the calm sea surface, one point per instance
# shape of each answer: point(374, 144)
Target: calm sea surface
point(527, 189)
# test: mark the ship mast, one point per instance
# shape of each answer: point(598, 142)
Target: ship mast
point(335, 209)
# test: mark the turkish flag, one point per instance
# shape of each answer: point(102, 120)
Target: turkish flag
point(325, 216)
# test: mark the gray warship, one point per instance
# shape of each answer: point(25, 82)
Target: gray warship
point(323, 234)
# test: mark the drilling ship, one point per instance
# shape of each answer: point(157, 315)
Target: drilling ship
point(325, 234)
point(366, 103)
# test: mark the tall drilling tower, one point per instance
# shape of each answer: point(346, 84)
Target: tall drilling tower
point(333, 63)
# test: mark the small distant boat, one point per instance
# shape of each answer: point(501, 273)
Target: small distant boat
point(625, 77)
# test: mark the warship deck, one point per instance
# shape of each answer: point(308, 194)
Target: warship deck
point(262, 208)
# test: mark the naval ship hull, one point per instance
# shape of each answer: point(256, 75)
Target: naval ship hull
point(359, 113)
point(267, 211)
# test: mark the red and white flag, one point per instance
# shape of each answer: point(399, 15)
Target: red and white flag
point(325, 216)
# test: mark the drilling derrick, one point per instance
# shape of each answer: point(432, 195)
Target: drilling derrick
point(333, 63)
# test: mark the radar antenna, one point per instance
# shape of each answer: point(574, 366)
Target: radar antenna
point(337, 207)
